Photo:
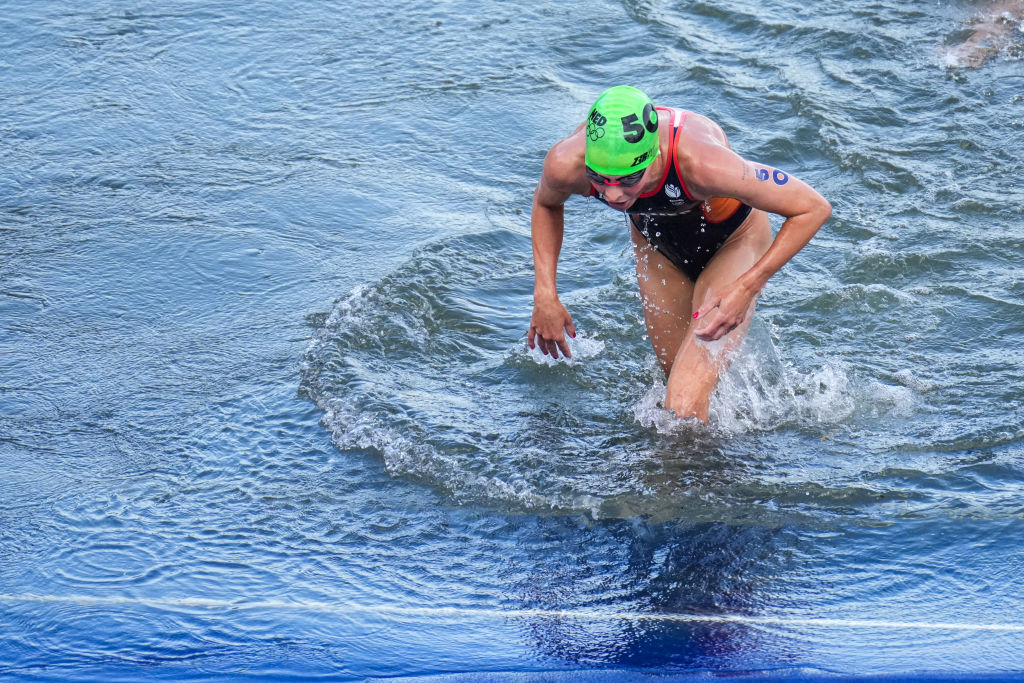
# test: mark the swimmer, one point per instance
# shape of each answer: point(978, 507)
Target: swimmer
point(992, 32)
point(698, 219)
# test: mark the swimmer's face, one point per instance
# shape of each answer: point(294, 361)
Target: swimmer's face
point(619, 191)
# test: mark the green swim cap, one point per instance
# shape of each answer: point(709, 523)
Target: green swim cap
point(622, 132)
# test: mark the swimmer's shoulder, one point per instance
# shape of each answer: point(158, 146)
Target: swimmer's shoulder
point(699, 130)
point(563, 165)
point(699, 147)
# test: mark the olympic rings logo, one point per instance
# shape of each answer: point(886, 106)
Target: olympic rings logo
point(595, 125)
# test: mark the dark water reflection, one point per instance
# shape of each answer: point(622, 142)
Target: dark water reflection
point(695, 571)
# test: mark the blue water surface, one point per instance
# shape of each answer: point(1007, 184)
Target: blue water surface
point(266, 406)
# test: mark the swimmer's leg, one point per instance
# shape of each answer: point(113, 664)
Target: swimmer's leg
point(695, 369)
point(666, 295)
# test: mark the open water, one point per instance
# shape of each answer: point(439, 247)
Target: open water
point(266, 407)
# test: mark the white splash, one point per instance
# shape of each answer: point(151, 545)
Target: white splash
point(760, 392)
point(581, 347)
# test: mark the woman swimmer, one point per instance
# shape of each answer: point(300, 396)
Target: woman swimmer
point(698, 218)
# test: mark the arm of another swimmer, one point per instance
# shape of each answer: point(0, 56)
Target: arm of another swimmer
point(769, 189)
point(550, 319)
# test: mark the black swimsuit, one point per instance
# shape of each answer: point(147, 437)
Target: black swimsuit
point(685, 230)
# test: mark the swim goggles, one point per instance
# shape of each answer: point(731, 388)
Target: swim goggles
point(624, 180)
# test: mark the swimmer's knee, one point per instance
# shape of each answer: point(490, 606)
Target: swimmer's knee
point(685, 406)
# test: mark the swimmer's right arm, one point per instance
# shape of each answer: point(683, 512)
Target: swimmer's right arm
point(550, 320)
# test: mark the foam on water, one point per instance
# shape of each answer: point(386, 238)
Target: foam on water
point(443, 388)
point(761, 392)
point(406, 368)
point(581, 347)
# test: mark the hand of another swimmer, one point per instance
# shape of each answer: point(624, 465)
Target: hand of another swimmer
point(548, 325)
point(722, 314)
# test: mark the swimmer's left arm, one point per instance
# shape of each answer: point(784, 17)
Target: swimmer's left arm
point(723, 173)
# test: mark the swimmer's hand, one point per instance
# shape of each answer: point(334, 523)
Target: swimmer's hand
point(548, 325)
point(724, 313)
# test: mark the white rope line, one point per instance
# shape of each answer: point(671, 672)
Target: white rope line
point(490, 613)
